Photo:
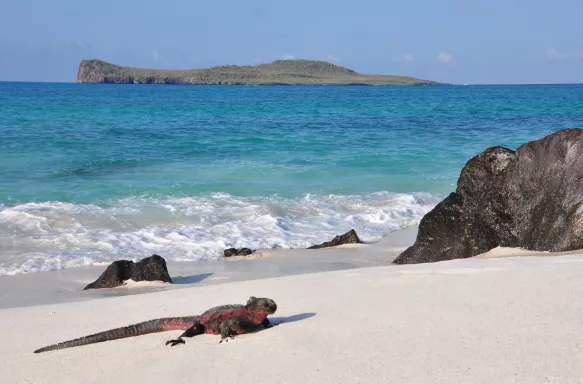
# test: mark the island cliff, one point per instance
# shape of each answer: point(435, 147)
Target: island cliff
point(284, 72)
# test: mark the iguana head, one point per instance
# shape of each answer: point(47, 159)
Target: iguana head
point(261, 304)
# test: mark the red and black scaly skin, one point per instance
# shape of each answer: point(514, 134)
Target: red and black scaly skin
point(226, 320)
point(231, 320)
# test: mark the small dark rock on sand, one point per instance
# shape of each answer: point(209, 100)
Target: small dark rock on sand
point(151, 268)
point(349, 237)
point(237, 252)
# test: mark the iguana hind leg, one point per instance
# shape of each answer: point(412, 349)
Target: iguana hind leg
point(196, 329)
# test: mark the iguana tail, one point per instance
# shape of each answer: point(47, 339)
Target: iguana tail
point(151, 326)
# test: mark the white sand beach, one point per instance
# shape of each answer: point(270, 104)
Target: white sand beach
point(480, 320)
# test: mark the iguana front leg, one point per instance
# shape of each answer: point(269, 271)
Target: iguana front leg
point(196, 329)
point(226, 332)
point(267, 324)
point(236, 326)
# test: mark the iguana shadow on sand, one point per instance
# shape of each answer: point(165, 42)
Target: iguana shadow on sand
point(225, 320)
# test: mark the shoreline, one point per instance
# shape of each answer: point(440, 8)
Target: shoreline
point(65, 285)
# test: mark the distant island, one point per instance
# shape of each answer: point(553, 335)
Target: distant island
point(280, 72)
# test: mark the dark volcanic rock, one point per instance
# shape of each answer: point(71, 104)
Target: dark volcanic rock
point(349, 237)
point(531, 198)
point(237, 252)
point(151, 268)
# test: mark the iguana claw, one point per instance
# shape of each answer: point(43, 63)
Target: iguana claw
point(175, 342)
point(226, 340)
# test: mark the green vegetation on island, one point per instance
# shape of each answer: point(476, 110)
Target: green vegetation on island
point(283, 72)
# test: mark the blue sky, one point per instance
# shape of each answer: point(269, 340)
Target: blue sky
point(460, 41)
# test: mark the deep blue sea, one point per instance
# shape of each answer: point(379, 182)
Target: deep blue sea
point(94, 173)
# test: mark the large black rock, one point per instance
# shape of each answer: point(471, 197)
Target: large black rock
point(151, 268)
point(349, 237)
point(531, 198)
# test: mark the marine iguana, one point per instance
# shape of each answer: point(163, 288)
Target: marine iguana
point(226, 320)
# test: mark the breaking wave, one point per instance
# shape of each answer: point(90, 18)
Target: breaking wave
point(55, 235)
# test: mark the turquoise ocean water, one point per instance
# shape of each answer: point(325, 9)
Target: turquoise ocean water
point(94, 173)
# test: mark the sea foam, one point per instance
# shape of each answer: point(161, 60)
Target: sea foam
point(55, 235)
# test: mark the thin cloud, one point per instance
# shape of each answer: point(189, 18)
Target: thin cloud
point(405, 59)
point(289, 57)
point(409, 58)
point(155, 55)
point(333, 58)
point(552, 53)
point(445, 58)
